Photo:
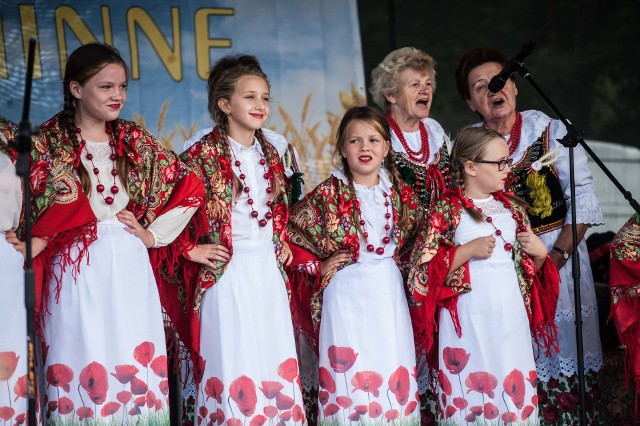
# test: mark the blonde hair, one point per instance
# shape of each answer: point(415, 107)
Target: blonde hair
point(376, 120)
point(385, 78)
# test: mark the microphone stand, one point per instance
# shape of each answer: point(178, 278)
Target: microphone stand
point(571, 140)
point(22, 144)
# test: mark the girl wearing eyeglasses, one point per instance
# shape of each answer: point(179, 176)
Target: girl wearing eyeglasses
point(483, 264)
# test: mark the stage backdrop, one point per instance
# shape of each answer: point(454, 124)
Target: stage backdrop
point(310, 50)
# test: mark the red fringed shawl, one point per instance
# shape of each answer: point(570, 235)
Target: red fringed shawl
point(434, 287)
point(157, 182)
point(187, 281)
point(322, 223)
point(624, 284)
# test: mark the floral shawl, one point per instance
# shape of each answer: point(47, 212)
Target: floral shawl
point(322, 223)
point(157, 182)
point(434, 287)
point(189, 280)
point(624, 284)
point(8, 129)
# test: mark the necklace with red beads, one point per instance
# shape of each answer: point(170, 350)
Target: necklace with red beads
point(268, 175)
point(385, 240)
point(421, 155)
point(520, 226)
point(114, 171)
point(514, 136)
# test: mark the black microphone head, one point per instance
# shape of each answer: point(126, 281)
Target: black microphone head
point(496, 84)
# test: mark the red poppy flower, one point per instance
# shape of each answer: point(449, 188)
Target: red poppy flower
point(509, 417)
point(234, 422)
point(481, 381)
point(151, 399)
point(375, 410)
point(455, 359)
point(285, 416)
point(283, 402)
point(331, 409)
point(470, 418)
point(344, 401)
point(526, 412)
point(341, 358)
point(65, 405)
point(158, 405)
point(461, 403)
point(143, 353)
point(8, 364)
point(533, 378)
point(213, 389)
point(411, 407)
point(258, 420)
point(135, 411)
point(323, 397)
point(164, 386)
point(476, 409)
point(326, 381)
point(124, 397)
point(39, 174)
point(288, 370)
point(490, 411)
point(203, 411)
point(6, 413)
point(367, 381)
point(271, 389)
point(514, 387)
point(445, 384)
point(159, 366)
point(391, 415)
point(218, 416)
point(361, 409)
point(138, 387)
point(354, 417)
point(243, 392)
point(109, 409)
point(140, 401)
point(444, 399)
point(450, 411)
point(534, 400)
point(59, 375)
point(297, 414)
point(198, 369)
point(94, 380)
point(124, 373)
point(20, 419)
point(270, 411)
point(399, 384)
point(84, 413)
point(20, 388)
point(52, 406)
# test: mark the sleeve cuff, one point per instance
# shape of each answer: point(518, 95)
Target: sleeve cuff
point(588, 212)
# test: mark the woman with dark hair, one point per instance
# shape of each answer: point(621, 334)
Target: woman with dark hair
point(540, 176)
point(104, 192)
point(240, 330)
point(349, 237)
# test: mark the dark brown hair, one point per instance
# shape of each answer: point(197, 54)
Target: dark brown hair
point(85, 62)
point(472, 59)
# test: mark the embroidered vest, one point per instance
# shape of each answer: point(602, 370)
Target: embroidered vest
point(425, 183)
point(517, 183)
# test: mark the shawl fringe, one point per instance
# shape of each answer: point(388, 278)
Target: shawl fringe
point(544, 301)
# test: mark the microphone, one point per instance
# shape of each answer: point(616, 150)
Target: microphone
point(513, 64)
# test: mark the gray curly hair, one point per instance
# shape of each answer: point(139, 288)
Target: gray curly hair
point(385, 78)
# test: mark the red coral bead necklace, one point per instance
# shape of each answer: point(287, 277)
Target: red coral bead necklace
point(267, 176)
point(114, 171)
point(385, 240)
point(422, 154)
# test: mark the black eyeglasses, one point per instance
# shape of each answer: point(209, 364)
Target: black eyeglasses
point(501, 164)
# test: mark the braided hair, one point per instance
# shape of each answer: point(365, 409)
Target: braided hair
point(222, 82)
point(471, 145)
point(85, 62)
point(377, 121)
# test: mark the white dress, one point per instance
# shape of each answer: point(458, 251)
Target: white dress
point(366, 347)
point(104, 344)
point(588, 212)
point(488, 374)
point(246, 333)
point(13, 315)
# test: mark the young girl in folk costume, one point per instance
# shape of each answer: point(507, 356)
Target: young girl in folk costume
point(247, 368)
point(481, 262)
point(348, 237)
point(13, 315)
point(104, 191)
